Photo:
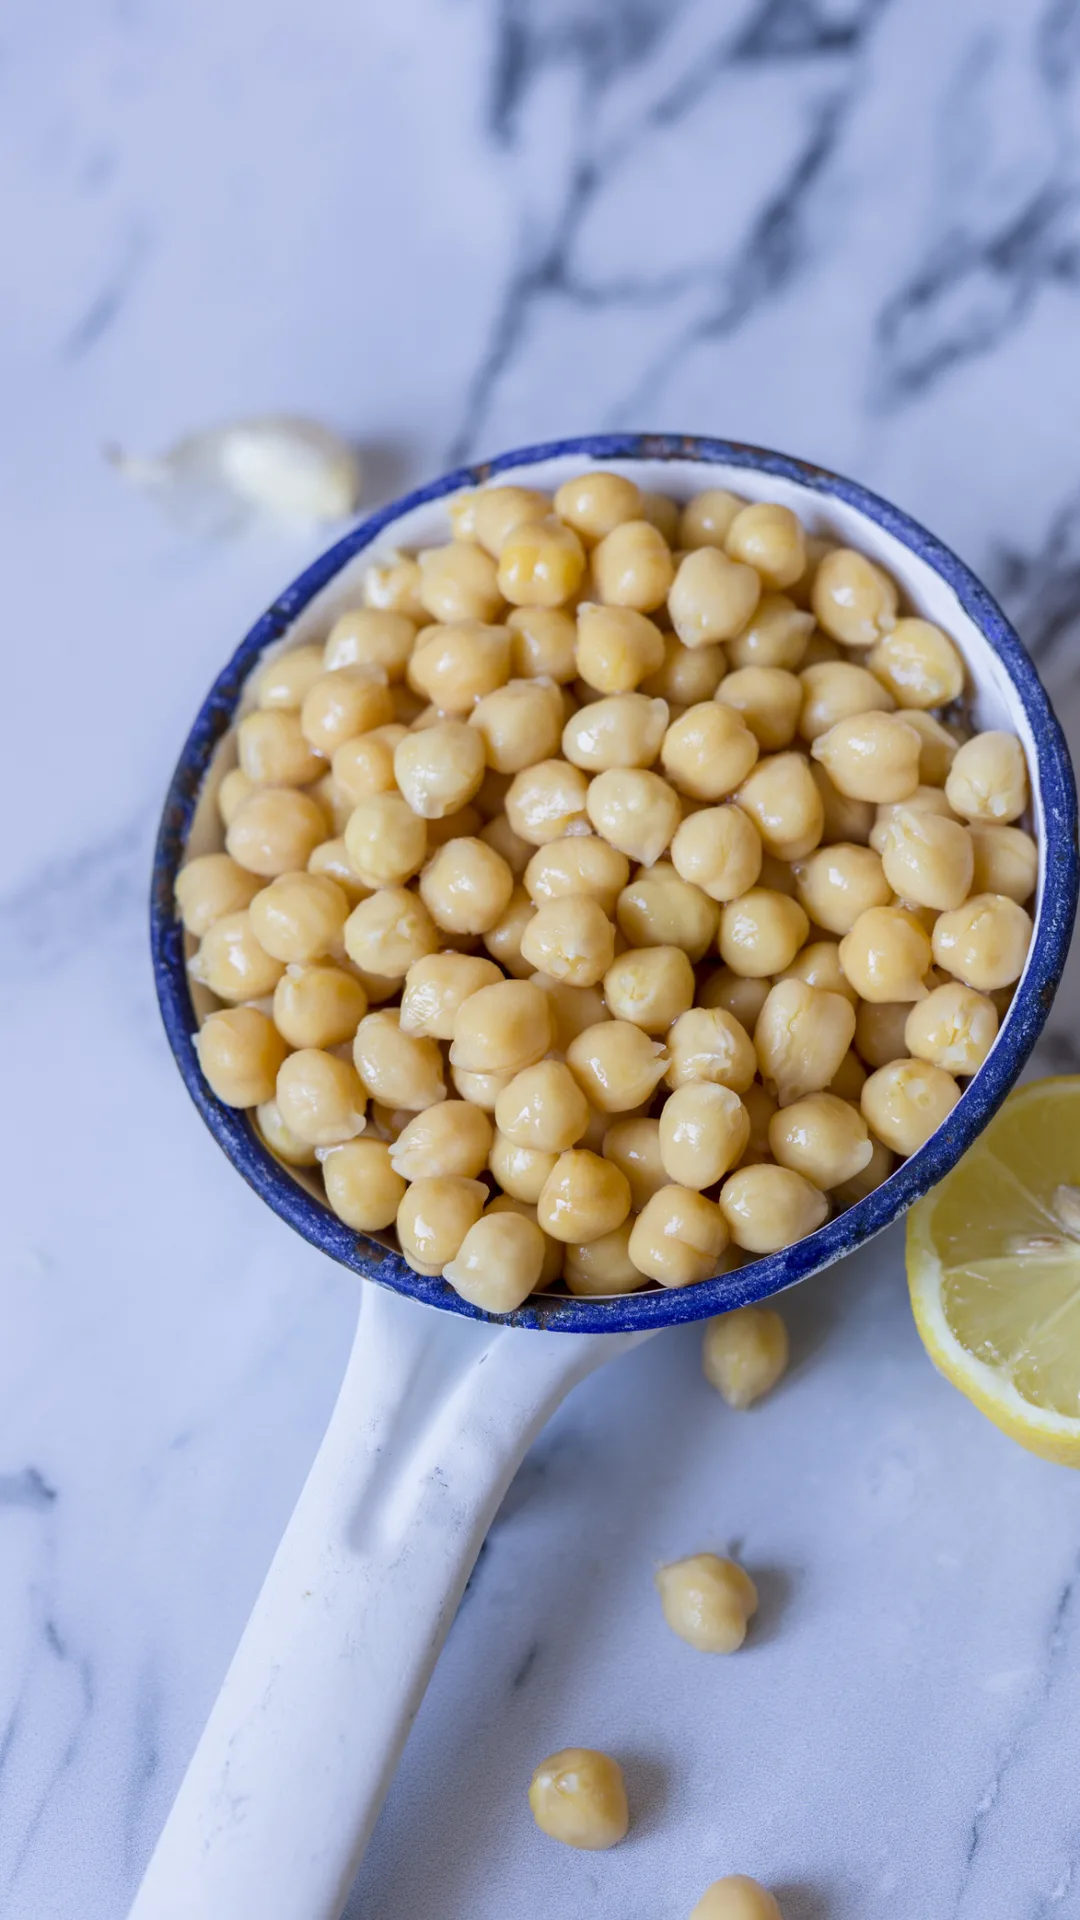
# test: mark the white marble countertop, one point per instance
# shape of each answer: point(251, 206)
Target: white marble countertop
point(847, 228)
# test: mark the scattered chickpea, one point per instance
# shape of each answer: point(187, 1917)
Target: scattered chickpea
point(736, 1897)
point(744, 1353)
point(707, 1601)
point(578, 1796)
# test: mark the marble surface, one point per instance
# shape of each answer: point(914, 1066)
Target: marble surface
point(848, 228)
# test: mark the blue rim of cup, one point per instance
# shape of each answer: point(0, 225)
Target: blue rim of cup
point(637, 1312)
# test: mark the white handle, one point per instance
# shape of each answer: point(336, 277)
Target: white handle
point(279, 1800)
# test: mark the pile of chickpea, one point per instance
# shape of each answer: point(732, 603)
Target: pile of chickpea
point(615, 894)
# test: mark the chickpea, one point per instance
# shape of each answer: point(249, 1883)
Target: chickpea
point(283, 1143)
point(234, 789)
point(499, 1262)
point(584, 865)
point(480, 1089)
point(553, 1249)
point(582, 1197)
point(320, 1097)
point(770, 539)
point(572, 1008)
point(543, 644)
point(709, 1044)
point(876, 1171)
point(231, 961)
point(712, 597)
point(708, 751)
point(705, 519)
point(547, 801)
point(776, 636)
point(761, 933)
point(818, 963)
point(769, 699)
point(688, 675)
point(466, 887)
point(736, 1897)
point(498, 510)
point(836, 690)
point(392, 585)
point(906, 1101)
point(460, 582)
point(871, 756)
point(632, 567)
point(434, 1217)
point(679, 1237)
point(502, 1028)
point(822, 1137)
point(342, 704)
point(925, 799)
point(522, 1172)
point(928, 859)
point(801, 1036)
point(499, 835)
point(984, 943)
point(737, 993)
point(212, 885)
point(919, 665)
point(299, 916)
point(541, 564)
point(707, 1601)
point(634, 810)
point(634, 1147)
point(240, 1053)
point(838, 883)
point(844, 819)
point(503, 940)
point(886, 955)
point(519, 724)
point(988, 779)
point(603, 1266)
point(577, 1796)
point(617, 1066)
point(318, 1006)
point(285, 678)
point(435, 987)
point(879, 1030)
point(650, 986)
point(617, 648)
point(660, 909)
point(766, 1208)
point(455, 666)
point(954, 1028)
point(1006, 860)
point(663, 514)
point(937, 749)
point(448, 1138)
point(780, 796)
point(373, 638)
point(760, 1105)
point(594, 504)
point(624, 731)
point(704, 1130)
point(399, 1069)
point(388, 932)
point(275, 831)
point(365, 765)
point(274, 752)
point(440, 769)
point(543, 1107)
point(719, 850)
point(744, 1354)
point(362, 1185)
point(853, 599)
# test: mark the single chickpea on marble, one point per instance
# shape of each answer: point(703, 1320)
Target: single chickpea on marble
point(612, 893)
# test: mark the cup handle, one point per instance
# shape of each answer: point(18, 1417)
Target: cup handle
point(279, 1800)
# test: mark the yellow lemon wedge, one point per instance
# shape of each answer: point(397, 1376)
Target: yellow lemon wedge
point(993, 1264)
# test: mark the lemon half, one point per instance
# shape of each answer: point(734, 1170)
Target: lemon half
point(993, 1264)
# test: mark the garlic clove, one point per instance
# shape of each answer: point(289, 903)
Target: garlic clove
point(281, 466)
